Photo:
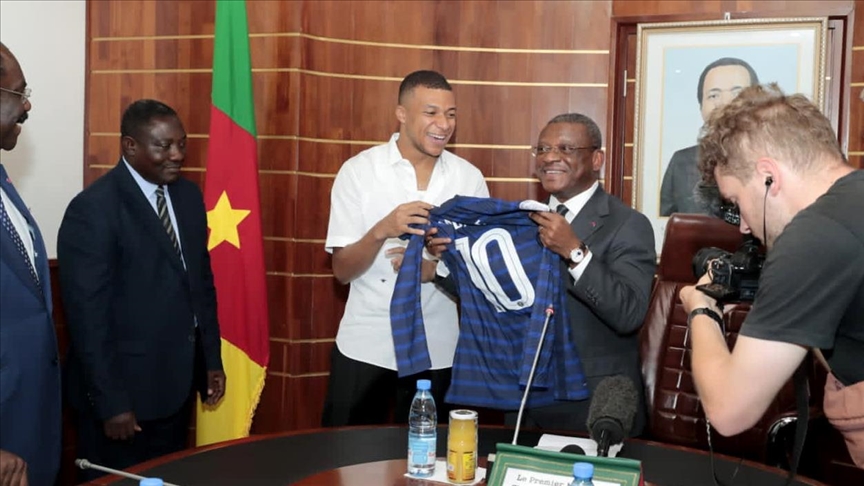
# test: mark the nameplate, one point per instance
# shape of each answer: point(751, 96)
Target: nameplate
point(521, 477)
point(526, 466)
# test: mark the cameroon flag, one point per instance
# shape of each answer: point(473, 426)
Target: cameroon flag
point(235, 243)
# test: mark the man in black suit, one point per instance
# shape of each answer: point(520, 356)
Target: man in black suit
point(608, 249)
point(139, 298)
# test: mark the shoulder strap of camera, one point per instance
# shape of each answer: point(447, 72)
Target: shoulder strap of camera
point(802, 403)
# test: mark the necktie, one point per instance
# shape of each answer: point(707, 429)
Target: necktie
point(19, 245)
point(562, 210)
point(162, 209)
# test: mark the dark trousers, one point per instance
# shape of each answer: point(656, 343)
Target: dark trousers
point(362, 394)
point(157, 438)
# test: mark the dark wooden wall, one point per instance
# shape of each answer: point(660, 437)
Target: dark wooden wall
point(325, 77)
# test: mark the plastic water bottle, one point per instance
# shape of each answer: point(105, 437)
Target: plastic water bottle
point(150, 482)
point(422, 432)
point(583, 473)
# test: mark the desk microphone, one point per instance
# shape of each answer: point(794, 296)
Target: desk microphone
point(550, 311)
point(85, 464)
point(612, 411)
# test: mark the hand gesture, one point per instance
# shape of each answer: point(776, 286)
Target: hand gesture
point(215, 387)
point(13, 470)
point(397, 222)
point(396, 255)
point(122, 426)
point(436, 246)
point(693, 298)
point(555, 233)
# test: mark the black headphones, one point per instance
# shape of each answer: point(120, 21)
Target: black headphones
point(768, 181)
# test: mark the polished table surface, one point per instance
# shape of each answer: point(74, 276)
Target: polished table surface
point(289, 458)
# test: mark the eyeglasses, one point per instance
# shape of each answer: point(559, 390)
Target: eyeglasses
point(25, 95)
point(561, 149)
point(730, 213)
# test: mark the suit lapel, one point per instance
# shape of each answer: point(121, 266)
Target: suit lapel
point(10, 254)
point(592, 216)
point(140, 207)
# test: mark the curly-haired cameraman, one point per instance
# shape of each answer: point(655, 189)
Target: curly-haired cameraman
point(777, 158)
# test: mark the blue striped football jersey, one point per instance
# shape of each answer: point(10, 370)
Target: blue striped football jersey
point(507, 284)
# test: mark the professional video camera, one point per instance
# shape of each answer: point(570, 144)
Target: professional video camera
point(734, 276)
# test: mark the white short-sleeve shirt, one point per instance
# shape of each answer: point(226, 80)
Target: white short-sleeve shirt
point(367, 188)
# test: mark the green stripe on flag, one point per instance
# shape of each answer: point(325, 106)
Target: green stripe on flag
point(232, 67)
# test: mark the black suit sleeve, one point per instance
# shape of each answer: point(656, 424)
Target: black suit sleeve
point(616, 285)
point(87, 253)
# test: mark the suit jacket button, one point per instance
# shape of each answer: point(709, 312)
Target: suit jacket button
point(191, 338)
point(55, 361)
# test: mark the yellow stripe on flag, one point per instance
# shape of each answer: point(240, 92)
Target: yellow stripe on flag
point(232, 416)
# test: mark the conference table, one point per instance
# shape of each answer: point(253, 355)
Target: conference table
point(375, 456)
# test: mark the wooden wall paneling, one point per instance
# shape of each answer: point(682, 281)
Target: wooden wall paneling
point(326, 77)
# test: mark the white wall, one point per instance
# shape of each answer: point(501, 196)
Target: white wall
point(48, 38)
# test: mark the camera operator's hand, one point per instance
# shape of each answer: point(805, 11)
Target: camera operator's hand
point(693, 298)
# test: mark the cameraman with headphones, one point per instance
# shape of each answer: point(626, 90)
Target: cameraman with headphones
point(777, 158)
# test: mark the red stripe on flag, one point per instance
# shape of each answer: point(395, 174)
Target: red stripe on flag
point(238, 273)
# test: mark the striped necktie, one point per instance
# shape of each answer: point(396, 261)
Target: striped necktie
point(162, 209)
point(6, 222)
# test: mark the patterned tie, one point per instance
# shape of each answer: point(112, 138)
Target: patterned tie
point(16, 240)
point(562, 210)
point(162, 209)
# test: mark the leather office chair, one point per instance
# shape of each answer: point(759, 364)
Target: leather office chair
point(675, 412)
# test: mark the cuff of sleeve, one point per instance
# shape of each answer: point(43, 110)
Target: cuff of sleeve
point(577, 271)
point(429, 256)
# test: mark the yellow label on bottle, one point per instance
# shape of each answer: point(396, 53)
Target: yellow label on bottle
point(461, 466)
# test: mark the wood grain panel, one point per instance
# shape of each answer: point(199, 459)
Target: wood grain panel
point(325, 77)
point(303, 399)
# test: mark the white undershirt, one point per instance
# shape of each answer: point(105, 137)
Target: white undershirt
point(574, 205)
point(19, 222)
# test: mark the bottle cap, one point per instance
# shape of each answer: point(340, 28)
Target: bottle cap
point(424, 385)
point(583, 470)
point(463, 414)
point(151, 482)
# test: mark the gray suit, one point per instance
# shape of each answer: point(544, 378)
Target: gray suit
point(607, 306)
point(682, 190)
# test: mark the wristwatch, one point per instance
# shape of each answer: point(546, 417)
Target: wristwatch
point(579, 254)
point(710, 313)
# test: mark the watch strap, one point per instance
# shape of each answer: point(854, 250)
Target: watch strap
point(705, 311)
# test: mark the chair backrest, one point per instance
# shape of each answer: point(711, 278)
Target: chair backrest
point(675, 412)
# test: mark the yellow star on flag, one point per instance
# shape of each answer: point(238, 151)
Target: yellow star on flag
point(222, 221)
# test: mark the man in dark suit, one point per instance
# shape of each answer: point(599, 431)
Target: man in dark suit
point(682, 190)
point(608, 249)
point(139, 297)
point(29, 365)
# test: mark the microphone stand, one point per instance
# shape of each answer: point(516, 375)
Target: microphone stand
point(85, 464)
point(549, 312)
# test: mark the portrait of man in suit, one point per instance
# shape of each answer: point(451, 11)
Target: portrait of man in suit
point(139, 297)
point(719, 83)
point(29, 365)
point(608, 250)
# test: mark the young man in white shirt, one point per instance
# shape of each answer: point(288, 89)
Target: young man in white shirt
point(377, 194)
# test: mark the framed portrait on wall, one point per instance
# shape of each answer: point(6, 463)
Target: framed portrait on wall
point(684, 71)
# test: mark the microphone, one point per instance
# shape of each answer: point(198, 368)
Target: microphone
point(85, 464)
point(612, 411)
point(550, 311)
point(573, 449)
